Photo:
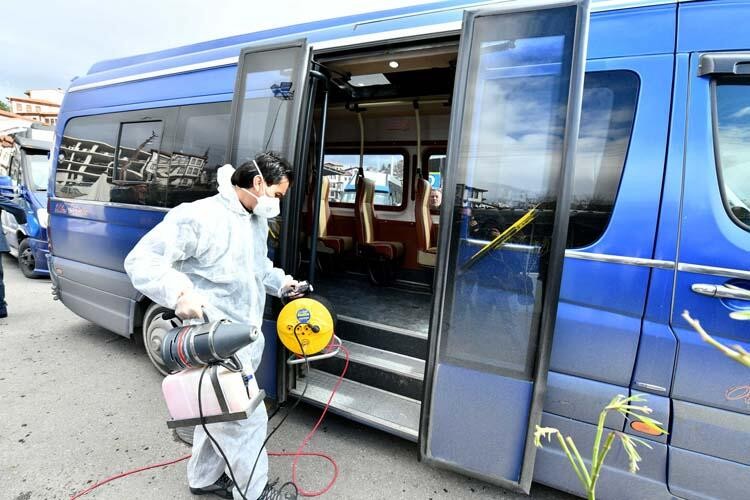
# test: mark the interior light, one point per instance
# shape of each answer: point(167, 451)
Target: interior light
point(393, 64)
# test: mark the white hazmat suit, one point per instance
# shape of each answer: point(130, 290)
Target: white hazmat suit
point(216, 248)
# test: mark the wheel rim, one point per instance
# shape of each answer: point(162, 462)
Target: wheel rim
point(27, 260)
point(153, 337)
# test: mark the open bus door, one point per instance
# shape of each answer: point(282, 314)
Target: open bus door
point(513, 132)
point(273, 82)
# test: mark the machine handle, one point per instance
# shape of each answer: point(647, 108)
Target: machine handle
point(170, 314)
point(721, 291)
point(294, 360)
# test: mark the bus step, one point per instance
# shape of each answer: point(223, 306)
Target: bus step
point(390, 371)
point(368, 405)
point(390, 338)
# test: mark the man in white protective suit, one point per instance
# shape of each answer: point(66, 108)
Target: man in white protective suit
point(211, 256)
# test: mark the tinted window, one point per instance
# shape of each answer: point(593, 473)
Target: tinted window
point(200, 148)
point(168, 157)
point(387, 170)
point(733, 147)
point(138, 142)
point(609, 102)
point(85, 164)
point(268, 98)
point(138, 180)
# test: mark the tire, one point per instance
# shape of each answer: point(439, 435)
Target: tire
point(26, 259)
point(152, 334)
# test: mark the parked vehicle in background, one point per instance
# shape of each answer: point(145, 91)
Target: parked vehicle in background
point(28, 172)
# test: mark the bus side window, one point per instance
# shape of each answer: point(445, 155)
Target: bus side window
point(200, 148)
point(86, 160)
point(609, 101)
point(386, 169)
point(137, 177)
point(733, 150)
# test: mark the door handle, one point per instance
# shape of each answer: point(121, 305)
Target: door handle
point(721, 291)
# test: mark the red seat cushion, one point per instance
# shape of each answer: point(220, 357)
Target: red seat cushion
point(338, 244)
point(387, 249)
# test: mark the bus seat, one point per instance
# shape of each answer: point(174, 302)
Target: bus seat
point(426, 252)
point(329, 243)
point(364, 215)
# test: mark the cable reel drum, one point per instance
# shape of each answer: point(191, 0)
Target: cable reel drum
point(306, 325)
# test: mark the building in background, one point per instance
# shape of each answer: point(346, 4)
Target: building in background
point(11, 121)
point(41, 106)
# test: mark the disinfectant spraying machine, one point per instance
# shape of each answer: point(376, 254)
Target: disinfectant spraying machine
point(202, 359)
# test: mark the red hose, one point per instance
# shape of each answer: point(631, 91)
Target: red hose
point(124, 474)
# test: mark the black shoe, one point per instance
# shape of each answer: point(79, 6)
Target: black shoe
point(221, 488)
point(3, 313)
point(271, 493)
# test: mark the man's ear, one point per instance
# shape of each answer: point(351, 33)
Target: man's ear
point(258, 183)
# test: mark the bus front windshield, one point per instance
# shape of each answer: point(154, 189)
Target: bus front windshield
point(38, 171)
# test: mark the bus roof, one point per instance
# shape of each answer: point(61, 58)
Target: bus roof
point(346, 31)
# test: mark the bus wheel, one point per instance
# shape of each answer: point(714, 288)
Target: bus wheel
point(26, 259)
point(155, 327)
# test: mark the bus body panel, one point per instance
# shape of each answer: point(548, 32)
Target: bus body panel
point(709, 391)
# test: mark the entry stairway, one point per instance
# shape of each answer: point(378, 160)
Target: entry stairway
point(383, 385)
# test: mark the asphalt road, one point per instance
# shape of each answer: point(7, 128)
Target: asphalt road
point(79, 404)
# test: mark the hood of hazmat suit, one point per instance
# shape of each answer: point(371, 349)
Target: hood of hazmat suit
point(216, 248)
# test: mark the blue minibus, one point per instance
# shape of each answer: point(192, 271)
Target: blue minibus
point(470, 322)
point(26, 185)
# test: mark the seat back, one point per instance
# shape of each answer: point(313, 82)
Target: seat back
point(364, 212)
point(325, 209)
point(422, 215)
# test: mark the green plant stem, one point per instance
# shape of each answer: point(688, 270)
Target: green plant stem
point(598, 462)
point(598, 438)
point(580, 460)
point(584, 480)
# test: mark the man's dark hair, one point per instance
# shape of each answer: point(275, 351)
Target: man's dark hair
point(273, 166)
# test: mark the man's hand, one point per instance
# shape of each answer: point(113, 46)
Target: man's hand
point(190, 305)
point(294, 289)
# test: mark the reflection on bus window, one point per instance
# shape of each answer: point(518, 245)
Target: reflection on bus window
point(609, 101)
point(733, 145)
point(200, 147)
point(179, 169)
point(508, 160)
point(268, 100)
point(387, 170)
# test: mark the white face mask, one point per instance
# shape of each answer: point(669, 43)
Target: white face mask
point(267, 206)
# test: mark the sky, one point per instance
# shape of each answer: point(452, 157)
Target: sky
point(45, 43)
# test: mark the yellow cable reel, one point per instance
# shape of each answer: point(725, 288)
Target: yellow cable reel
point(313, 320)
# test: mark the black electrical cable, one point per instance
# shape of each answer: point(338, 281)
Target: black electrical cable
point(291, 408)
point(215, 443)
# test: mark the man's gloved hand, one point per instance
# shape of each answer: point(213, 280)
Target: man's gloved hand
point(190, 305)
point(294, 289)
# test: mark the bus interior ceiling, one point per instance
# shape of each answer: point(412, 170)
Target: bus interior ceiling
point(385, 88)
